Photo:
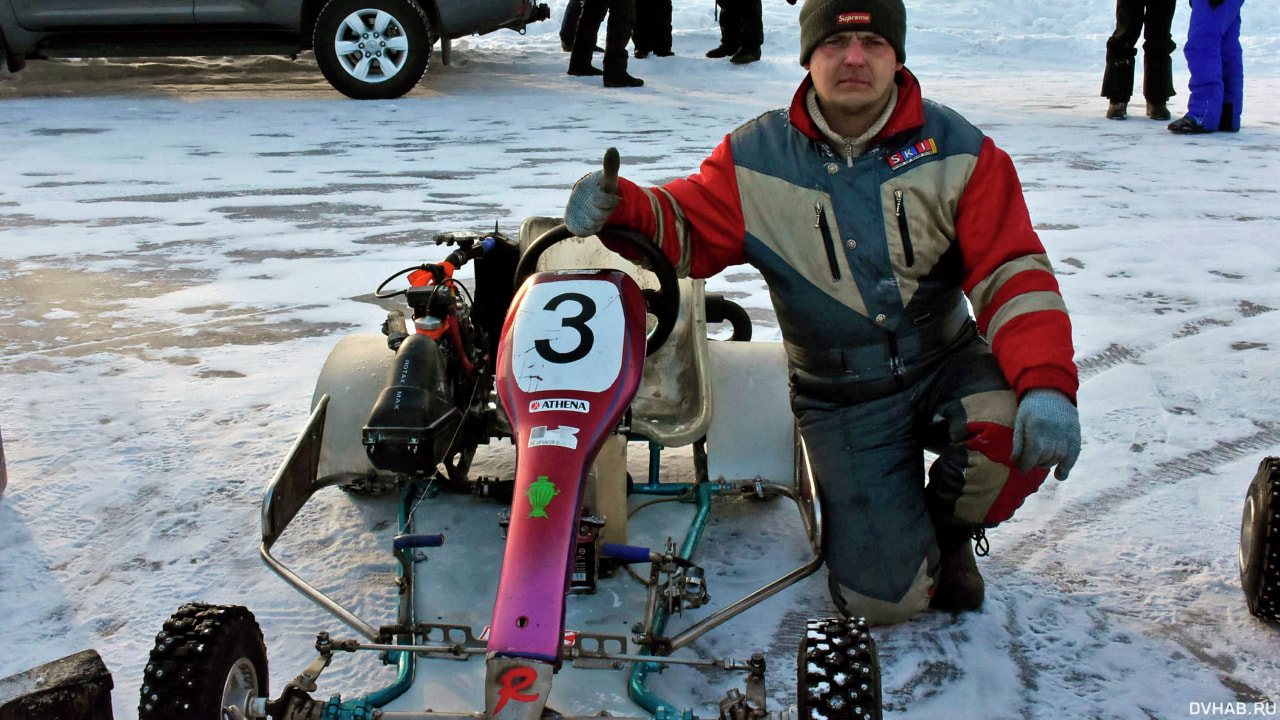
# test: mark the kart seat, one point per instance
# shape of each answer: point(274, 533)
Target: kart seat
point(673, 405)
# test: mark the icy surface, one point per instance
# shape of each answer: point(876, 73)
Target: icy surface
point(184, 241)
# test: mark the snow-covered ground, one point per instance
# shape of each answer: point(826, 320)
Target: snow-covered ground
point(183, 242)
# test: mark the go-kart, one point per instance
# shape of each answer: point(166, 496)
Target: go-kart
point(558, 349)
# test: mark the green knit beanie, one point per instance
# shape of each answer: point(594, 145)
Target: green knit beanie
point(822, 18)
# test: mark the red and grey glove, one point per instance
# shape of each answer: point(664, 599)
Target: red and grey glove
point(593, 198)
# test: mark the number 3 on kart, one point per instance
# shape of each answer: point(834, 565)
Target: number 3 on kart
point(571, 339)
point(578, 322)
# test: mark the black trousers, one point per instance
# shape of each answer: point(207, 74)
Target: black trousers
point(1151, 19)
point(741, 24)
point(653, 26)
point(569, 24)
point(622, 20)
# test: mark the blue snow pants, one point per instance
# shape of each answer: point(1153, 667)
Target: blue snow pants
point(1216, 63)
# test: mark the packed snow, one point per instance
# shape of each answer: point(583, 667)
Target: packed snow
point(184, 241)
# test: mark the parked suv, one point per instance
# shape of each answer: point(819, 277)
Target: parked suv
point(367, 49)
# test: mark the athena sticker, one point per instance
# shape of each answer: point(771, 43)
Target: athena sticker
point(569, 404)
point(563, 436)
point(569, 336)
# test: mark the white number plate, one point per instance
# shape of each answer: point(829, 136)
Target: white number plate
point(569, 336)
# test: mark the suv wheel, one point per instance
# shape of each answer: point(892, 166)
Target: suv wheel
point(372, 49)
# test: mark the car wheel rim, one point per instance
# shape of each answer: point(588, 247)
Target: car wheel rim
point(371, 45)
point(241, 685)
point(1246, 534)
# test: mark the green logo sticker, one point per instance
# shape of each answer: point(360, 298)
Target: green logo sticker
point(540, 494)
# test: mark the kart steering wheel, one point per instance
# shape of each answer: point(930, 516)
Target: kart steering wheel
point(664, 304)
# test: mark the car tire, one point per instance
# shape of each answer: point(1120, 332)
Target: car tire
point(1260, 542)
point(206, 658)
point(386, 59)
point(838, 672)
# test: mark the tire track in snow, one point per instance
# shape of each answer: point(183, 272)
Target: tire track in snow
point(1069, 520)
point(1015, 562)
point(1116, 354)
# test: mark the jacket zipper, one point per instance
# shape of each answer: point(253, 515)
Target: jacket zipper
point(820, 222)
point(900, 212)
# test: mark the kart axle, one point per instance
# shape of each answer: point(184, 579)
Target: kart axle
point(570, 654)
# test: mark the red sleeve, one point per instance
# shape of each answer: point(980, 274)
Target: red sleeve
point(700, 216)
point(1018, 303)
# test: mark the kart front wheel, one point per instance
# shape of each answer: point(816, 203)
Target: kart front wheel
point(206, 658)
point(372, 49)
point(838, 672)
point(1260, 542)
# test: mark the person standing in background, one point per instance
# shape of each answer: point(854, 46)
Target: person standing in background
point(741, 31)
point(569, 24)
point(653, 28)
point(1151, 19)
point(1216, 63)
point(622, 20)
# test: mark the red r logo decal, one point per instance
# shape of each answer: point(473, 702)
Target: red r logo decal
point(513, 681)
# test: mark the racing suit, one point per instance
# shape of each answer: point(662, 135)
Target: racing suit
point(868, 261)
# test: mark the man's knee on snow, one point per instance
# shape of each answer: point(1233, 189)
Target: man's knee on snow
point(883, 612)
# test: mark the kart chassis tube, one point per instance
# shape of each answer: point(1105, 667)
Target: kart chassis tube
point(293, 485)
point(295, 482)
point(636, 684)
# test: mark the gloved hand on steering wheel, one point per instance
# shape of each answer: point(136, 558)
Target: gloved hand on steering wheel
point(1046, 432)
point(593, 199)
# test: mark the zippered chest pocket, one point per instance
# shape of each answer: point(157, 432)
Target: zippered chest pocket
point(820, 223)
point(900, 212)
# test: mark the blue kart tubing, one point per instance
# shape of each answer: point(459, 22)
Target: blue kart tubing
point(627, 553)
point(421, 540)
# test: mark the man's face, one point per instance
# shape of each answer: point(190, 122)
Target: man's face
point(852, 72)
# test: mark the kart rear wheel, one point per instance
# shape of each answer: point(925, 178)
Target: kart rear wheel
point(206, 658)
point(1260, 543)
point(372, 49)
point(838, 672)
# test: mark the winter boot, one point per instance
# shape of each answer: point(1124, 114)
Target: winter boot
point(1186, 125)
point(1117, 110)
point(745, 56)
point(721, 51)
point(1227, 123)
point(1157, 110)
point(621, 80)
point(580, 62)
point(959, 586)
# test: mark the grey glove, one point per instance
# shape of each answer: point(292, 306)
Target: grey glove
point(1046, 432)
point(593, 199)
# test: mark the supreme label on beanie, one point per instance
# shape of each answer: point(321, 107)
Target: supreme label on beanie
point(859, 18)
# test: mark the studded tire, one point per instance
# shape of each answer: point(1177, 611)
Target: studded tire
point(207, 657)
point(838, 672)
point(1260, 542)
